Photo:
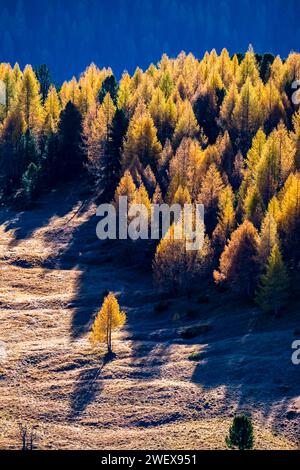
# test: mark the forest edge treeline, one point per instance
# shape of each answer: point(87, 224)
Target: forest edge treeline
point(221, 131)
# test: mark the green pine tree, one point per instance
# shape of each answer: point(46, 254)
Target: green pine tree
point(109, 85)
point(241, 433)
point(71, 158)
point(43, 75)
point(273, 290)
point(30, 181)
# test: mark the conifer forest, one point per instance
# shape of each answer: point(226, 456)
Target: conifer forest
point(136, 342)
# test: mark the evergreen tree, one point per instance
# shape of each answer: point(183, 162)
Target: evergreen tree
point(29, 149)
point(106, 163)
point(70, 159)
point(274, 209)
point(163, 165)
point(11, 140)
point(44, 77)
point(123, 100)
point(109, 85)
point(49, 159)
point(182, 167)
point(241, 433)
point(30, 181)
point(273, 293)
point(118, 130)
point(149, 180)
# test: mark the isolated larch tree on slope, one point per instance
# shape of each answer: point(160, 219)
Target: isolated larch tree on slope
point(109, 318)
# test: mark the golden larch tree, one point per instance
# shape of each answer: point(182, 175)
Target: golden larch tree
point(248, 114)
point(52, 111)
point(126, 187)
point(289, 222)
point(253, 206)
point(187, 125)
point(268, 237)
point(239, 263)
point(175, 267)
point(141, 143)
point(29, 100)
point(108, 319)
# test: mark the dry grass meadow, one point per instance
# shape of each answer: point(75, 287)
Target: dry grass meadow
point(53, 275)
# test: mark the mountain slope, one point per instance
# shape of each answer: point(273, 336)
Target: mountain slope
point(53, 275)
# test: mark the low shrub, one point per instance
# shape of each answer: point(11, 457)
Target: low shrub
point(195, 356)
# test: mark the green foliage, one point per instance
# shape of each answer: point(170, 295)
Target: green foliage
point(241, 433)
point(30, 181)
point(43, 75)
point(70, 158)
point(49, 159)
point(195, 356)
point(29, 148)
point(218, 131)
point(273, 293)
point(113, 152)
point(166, 84)
point(264, 62)
point(109, 85)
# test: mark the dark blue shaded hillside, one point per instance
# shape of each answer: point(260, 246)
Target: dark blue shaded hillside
point(70, 34)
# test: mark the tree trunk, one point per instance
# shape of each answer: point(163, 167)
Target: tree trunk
point(109, 348)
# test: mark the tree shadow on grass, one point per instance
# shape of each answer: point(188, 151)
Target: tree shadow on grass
point(103, 266)
point(88, 385)
point(54, 204)
point(252, 375)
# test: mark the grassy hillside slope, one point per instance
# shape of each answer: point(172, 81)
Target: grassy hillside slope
point(53, 275)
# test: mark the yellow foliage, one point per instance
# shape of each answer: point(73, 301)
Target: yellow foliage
point(108, 319)
point(29, 100)
point(141, 143)
point(126, 187)
point(52, 111)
